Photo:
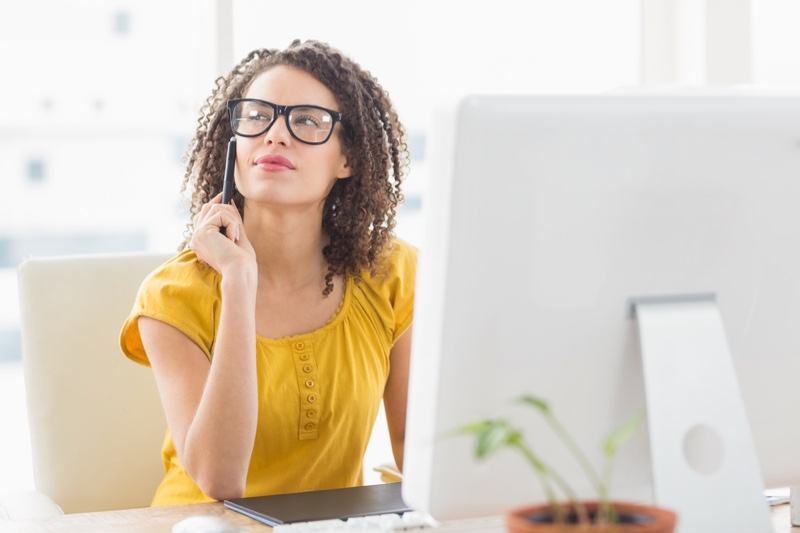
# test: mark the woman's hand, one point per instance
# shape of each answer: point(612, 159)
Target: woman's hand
point(224, 253)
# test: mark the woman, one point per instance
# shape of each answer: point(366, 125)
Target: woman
point(272, 344)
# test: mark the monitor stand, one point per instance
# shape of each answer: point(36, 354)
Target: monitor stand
point(704, 460)
point(794, 505)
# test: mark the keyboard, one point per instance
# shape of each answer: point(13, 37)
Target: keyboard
point(411, 522)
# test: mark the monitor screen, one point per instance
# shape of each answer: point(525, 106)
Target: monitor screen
point(545, 216)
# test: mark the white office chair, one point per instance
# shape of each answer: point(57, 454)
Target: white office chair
point(95, 417)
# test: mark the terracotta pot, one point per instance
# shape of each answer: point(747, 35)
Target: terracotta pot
point(633, 517)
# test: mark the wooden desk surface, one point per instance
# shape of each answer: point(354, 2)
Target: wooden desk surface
point(146, 520)
point(161, 520)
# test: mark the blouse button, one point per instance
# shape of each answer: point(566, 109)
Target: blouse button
point(311, 413)
point(307, 369)
point(309, 426)
point(309, 383)
point(312, 398)
point(304, 357)
point(300, 345)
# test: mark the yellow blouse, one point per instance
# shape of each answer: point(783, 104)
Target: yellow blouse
point(319, 392)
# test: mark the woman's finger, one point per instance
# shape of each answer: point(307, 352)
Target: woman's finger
point(208, 207)
point(230, 224)
point(218, 217)
point(201, 215)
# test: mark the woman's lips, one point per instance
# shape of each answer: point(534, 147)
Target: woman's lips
point(273, 163)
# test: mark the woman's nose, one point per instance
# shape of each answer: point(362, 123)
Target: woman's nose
point(278, 133)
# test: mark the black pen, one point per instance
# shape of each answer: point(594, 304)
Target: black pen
point(227, 184)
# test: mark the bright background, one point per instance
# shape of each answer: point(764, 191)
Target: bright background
point(101, 97)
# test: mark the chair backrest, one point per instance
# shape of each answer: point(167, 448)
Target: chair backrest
point(95, 417)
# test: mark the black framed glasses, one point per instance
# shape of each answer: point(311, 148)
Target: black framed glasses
point(308, 124)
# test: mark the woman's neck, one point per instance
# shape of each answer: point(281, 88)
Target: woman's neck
point(288, 248)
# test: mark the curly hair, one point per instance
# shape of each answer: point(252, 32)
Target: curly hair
point(359, 212)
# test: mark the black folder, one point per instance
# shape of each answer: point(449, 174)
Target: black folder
point(322, 504)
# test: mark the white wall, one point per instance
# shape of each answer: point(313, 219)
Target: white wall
point(426, 50)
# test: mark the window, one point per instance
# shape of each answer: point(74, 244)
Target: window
point(35, 170)
point(121, 23)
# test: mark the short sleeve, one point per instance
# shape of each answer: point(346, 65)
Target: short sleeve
point(183, 293)
point(404, 265)
point(390, 292)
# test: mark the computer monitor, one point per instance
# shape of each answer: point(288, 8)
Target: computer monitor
point(546, 216)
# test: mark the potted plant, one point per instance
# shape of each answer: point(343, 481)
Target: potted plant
point(568, 513)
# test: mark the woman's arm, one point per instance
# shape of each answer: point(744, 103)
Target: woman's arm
point(395, 395)
point(212, 408)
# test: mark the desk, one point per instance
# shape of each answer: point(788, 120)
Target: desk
point(161, 519)
point(146, 520)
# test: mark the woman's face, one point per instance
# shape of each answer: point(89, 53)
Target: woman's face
point(275, 168)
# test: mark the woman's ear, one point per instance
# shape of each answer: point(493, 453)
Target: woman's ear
point(343, 171)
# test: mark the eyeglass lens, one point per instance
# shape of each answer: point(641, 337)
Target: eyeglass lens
point(309, 124)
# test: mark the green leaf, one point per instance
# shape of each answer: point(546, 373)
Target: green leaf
point(536, 402)
point(622, 434)
point(494, 436)
point(472, 427)
point(490, 435)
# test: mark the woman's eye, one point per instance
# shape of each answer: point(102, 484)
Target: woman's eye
point(257, 117)
point(306, 121)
